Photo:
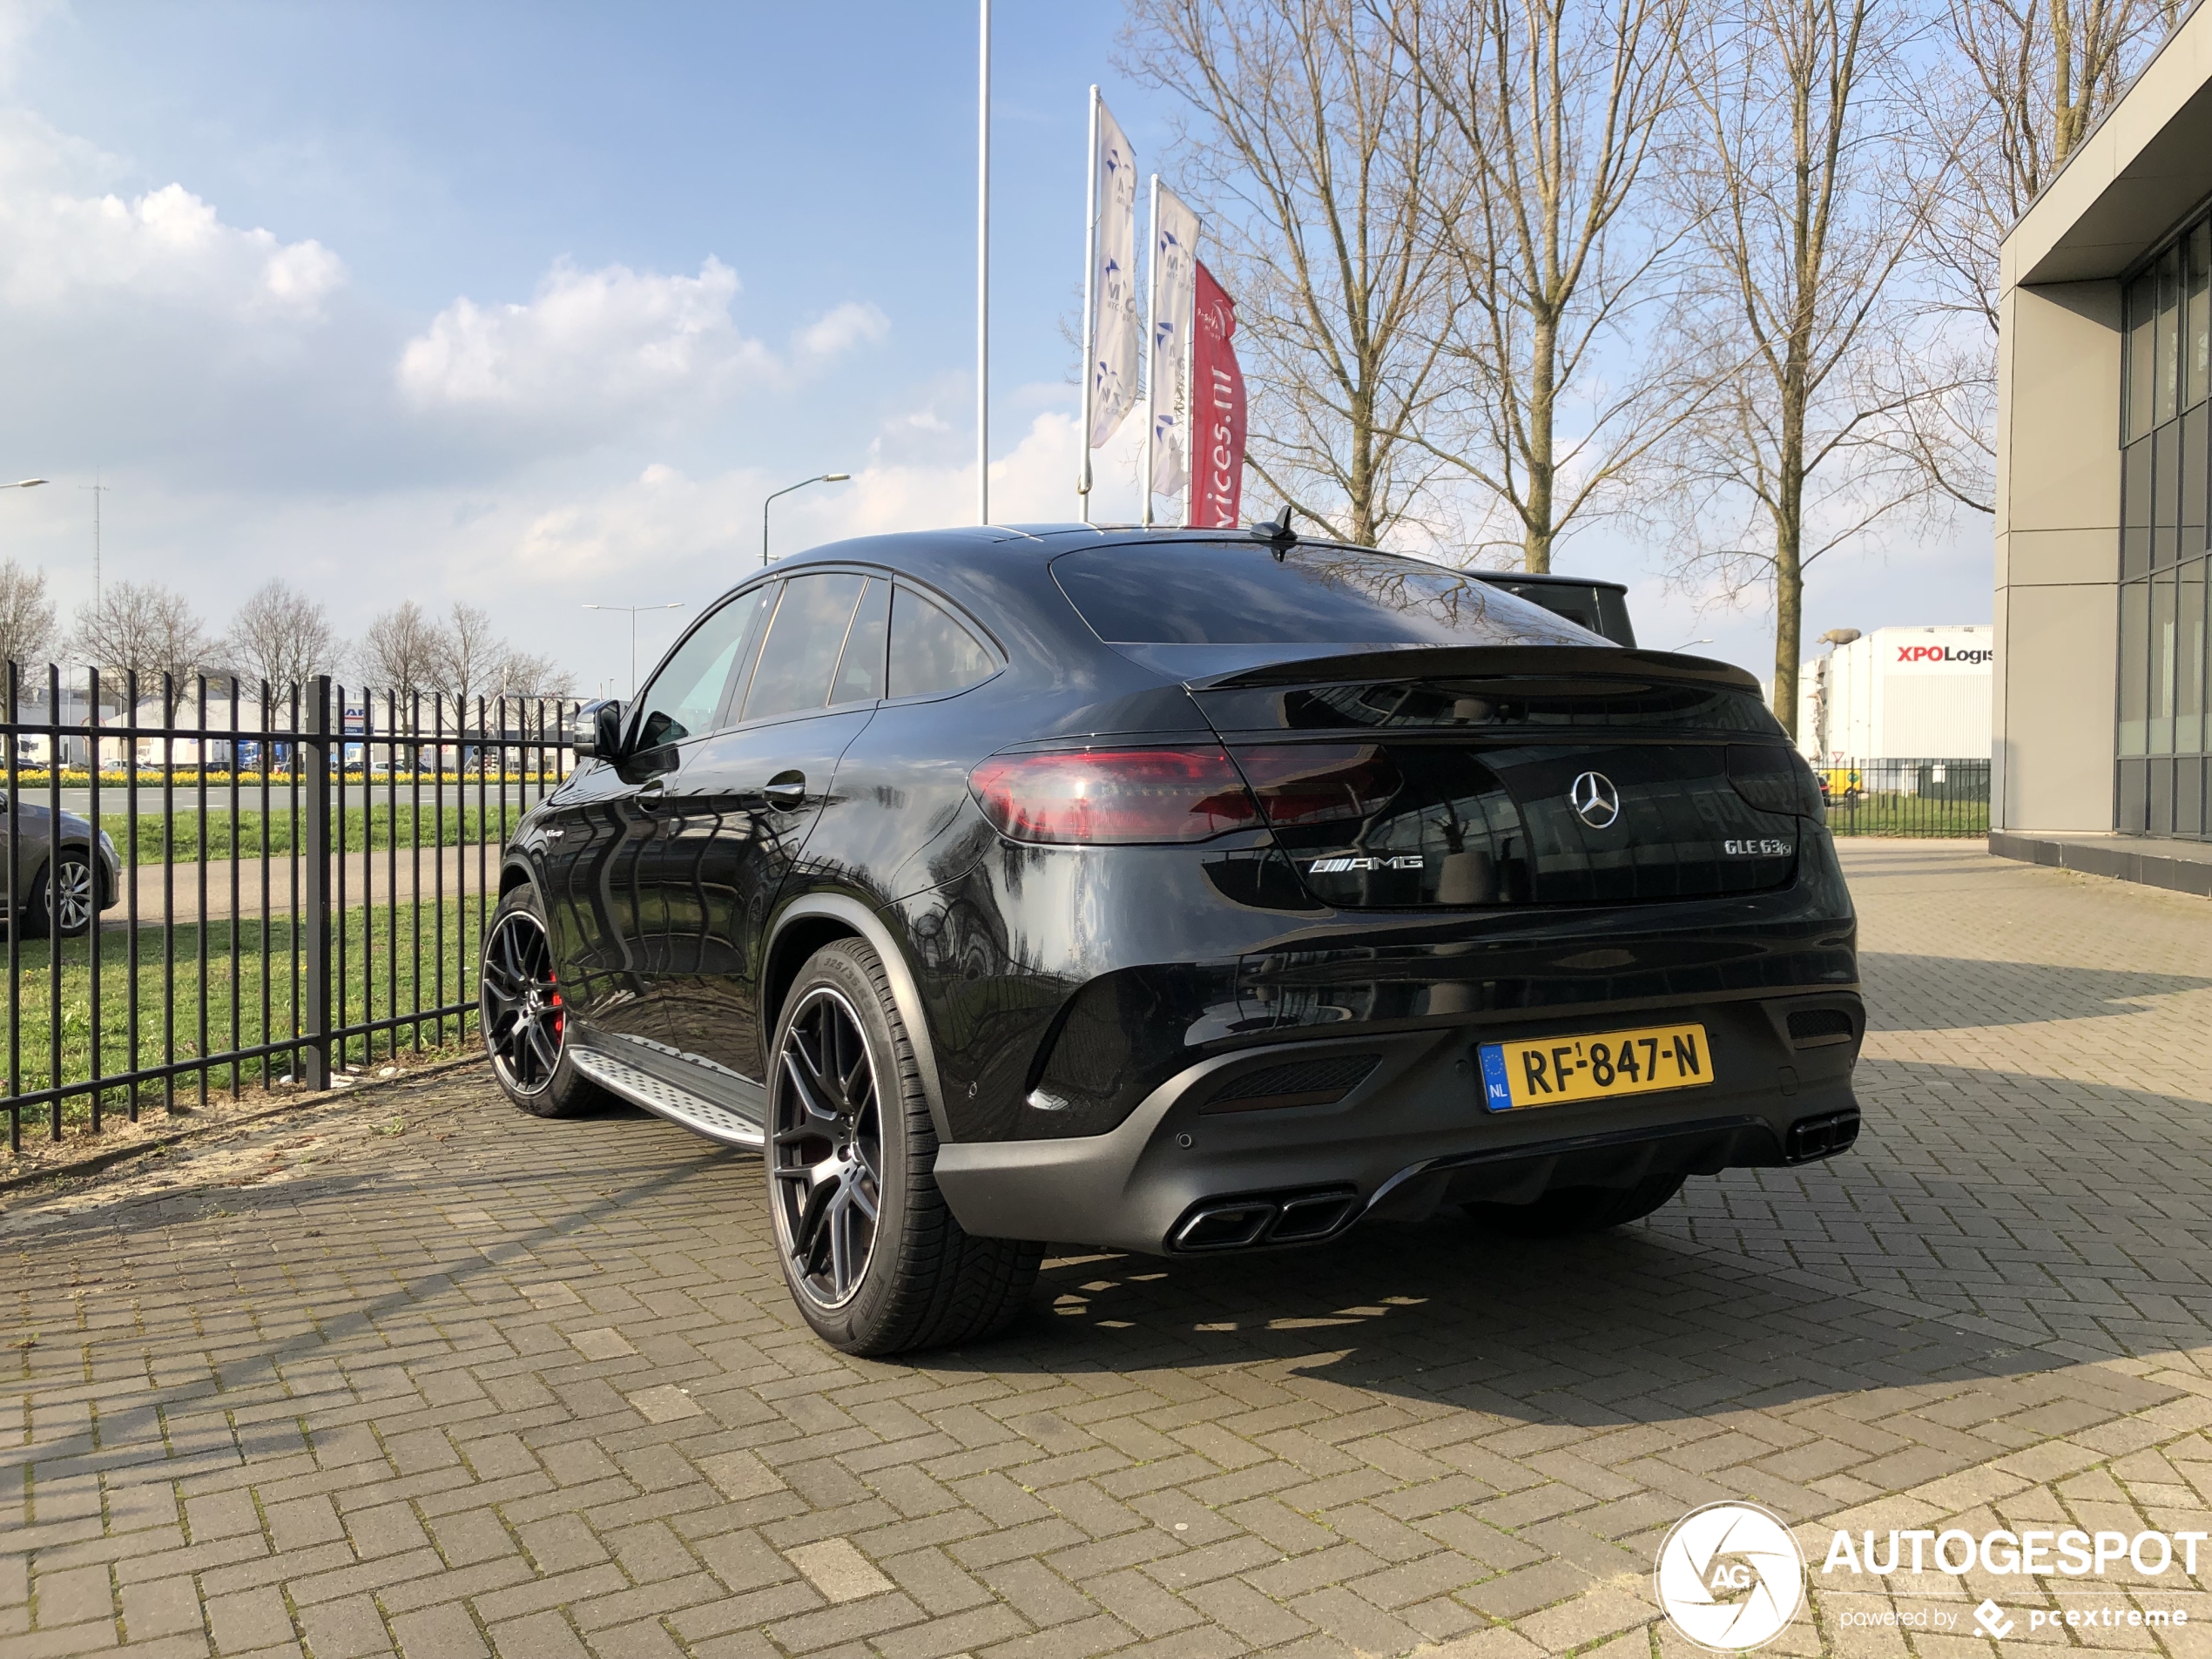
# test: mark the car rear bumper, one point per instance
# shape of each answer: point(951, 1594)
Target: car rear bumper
point(1196, 1167)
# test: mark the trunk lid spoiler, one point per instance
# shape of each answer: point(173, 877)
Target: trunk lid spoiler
point(1472, 662)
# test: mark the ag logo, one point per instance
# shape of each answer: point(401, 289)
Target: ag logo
point(1595, 800)
point(1730, 1576)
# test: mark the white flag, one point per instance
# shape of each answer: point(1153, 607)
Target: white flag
point(1114, 334)
point(1175, 290)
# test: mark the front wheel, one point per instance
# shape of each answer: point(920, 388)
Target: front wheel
point(874, 1260)
point(1566, 1212)
point(524, 1018)
point(64, 907)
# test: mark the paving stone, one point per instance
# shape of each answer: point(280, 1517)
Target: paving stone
point(1996, 1310)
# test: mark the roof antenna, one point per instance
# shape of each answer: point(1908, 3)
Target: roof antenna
point(1277, 534)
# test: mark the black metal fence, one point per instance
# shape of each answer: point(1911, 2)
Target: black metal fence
point(1922, 797)
point(285, 882)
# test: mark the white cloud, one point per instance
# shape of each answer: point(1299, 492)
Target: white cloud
point(847, 326)
point(61, 251)
point(600, 340)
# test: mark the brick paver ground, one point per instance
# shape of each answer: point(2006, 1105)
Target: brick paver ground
point(416, 1373)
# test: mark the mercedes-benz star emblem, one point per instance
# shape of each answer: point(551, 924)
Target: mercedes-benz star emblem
point(1595, 800)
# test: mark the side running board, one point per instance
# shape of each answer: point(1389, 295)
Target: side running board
point(678, 1105)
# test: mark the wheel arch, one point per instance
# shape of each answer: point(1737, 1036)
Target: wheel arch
point(818, 919)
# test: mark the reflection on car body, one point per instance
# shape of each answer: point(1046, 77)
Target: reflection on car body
point(1173, 892)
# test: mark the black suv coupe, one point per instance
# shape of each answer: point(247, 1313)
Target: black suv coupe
point(1173, 892)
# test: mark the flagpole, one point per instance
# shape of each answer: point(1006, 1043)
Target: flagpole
point(1190, 390)
point(983, 273)
point(1090, 279)
point(1151, 339)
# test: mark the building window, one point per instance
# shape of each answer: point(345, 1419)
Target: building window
point(2165, 728)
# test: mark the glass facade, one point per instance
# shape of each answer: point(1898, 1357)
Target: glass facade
point(2164, 736)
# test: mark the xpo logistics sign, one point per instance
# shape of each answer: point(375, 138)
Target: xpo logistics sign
point(1926, 655)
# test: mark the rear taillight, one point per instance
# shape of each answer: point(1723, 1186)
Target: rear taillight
point(1318, 783)
point(1106, 796)
point(1774, 780)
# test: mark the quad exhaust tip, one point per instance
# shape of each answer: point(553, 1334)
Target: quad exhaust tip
point(1821, 1137)
point(1260, 1219)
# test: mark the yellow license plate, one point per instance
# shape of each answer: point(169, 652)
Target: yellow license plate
point(1557, 1072)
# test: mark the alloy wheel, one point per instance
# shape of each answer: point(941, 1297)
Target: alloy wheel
point(519, 998)
point(73, 895)
point(826, 1148)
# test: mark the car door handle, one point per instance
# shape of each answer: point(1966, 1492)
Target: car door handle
point(649, 793)
point(787, 791)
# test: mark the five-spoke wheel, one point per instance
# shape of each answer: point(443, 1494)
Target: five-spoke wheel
point(520, 1000)
point(826, 1147)
point(63, 905)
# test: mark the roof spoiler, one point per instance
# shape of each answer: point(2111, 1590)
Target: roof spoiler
point(1485, 662)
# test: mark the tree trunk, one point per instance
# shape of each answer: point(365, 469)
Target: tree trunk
point(1537, 528)
point(1789, 551)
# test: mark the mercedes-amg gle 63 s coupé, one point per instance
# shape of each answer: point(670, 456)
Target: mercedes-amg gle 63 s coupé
point(1178, 891)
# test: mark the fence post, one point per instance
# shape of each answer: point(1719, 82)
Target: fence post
point(315, 856)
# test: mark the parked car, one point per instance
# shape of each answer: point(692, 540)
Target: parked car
point(1173, 892)
point(91, 874)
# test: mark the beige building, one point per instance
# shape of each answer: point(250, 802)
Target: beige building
point(2101, 737)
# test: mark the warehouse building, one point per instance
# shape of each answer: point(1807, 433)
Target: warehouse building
point(2101, 737)
point(1898, 693)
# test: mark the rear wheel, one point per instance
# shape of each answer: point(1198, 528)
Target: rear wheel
point(66, 906)
point(524, 1019)
point(874, 1260)
point(1566, 1212)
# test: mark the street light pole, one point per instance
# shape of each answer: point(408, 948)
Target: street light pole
point(823, 478)
point(633, 610)
point(983, 272)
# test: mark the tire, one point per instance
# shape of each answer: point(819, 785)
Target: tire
point(848, 1158)
point(1566, 1212)
point(79, 898)
point(521, 1014)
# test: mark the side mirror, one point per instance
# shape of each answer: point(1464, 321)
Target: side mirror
point(598, 731)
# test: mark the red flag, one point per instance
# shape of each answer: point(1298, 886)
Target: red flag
point(1217, 398)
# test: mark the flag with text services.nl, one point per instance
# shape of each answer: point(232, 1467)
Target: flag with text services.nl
point(1218, 410)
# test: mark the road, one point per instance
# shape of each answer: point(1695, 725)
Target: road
point(368, 876)
point(413, 1372)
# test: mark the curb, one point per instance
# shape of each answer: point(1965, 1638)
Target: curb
point(93, 1163)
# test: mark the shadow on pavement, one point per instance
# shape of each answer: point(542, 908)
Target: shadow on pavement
point(1941, 993)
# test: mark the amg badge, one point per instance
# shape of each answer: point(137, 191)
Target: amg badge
point(1341, 867)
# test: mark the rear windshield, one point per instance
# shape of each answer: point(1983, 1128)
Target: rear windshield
point(1240, 593)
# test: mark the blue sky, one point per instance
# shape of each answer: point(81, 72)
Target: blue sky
point(528, 305)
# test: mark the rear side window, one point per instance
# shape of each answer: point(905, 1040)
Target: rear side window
point(806, 639)
point(1229, 593)
point(931, 653)
point(859, 672)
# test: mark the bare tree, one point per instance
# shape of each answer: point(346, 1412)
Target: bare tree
point(400, 649)
point(1559, 107)
point(523, 673)
point(467, 655)
point(2020, 84)
point(1310, 137)
point(28, 630)
point(1809, 197)
point(141, 627)
point(281, 637)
